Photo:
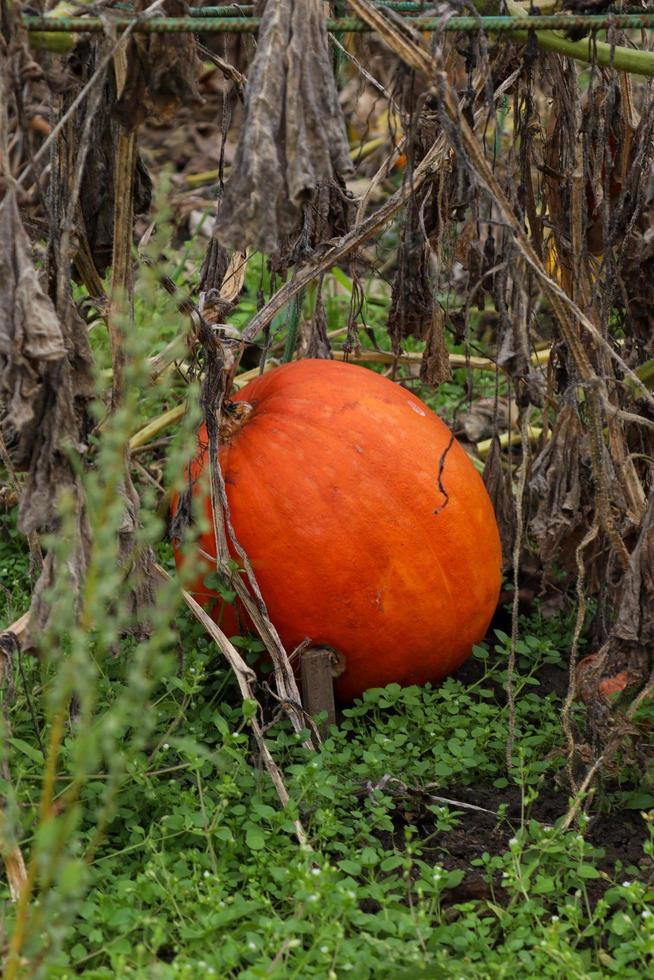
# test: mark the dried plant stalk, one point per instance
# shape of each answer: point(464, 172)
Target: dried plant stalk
point(122, 283)
point(139, 559)
point(245, 677)
point(14, 863)
point(214, 390)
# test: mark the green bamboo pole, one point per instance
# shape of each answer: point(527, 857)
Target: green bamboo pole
point(239, 25)
point(517, 25)
point(629, 60)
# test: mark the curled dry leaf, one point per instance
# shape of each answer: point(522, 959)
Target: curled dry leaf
point(328, 214)
point(293, 138)
point(609, 131)
point(560, 482)
point(414, 309)
point(483, 419)
point(638, 264)
point(162, 72)
point(634, 623)
point(413, 288)
point(31, 338)
point(319, 345)
point(562, 485)
point(412, 302)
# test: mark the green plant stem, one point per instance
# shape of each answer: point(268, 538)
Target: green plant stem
point(47, 796)
point(589, 50)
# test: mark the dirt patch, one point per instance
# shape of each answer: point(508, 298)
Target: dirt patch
point(622, 835)
point(619, 833)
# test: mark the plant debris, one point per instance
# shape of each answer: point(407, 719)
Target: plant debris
point(293, 136)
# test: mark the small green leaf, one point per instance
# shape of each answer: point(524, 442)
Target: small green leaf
point(212, 580)
point(588, 871)
point(392, 862)
point(350, 867)
point(454, 878)
point(249, 708)
point(255, 839)
point(27, 750)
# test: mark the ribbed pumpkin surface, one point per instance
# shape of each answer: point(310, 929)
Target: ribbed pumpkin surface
point(333, 488)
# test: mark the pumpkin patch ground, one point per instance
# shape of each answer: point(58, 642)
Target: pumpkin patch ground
point(326, 336)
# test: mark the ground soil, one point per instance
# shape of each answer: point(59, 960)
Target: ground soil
point(619, 833)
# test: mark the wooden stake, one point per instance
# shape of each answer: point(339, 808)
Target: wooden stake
point(318, 685)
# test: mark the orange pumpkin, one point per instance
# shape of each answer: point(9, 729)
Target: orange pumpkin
point(356, 541)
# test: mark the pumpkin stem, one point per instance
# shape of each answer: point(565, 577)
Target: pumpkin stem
point(235, 415)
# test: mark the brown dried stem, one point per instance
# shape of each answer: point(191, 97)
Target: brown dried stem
point(562, 304)
point(215, 385)
point(121, 275)
point(589, 537)
point(517, 551)
point(245, 677)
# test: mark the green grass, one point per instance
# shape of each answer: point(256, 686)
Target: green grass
point(14, 570)
point(198, 872)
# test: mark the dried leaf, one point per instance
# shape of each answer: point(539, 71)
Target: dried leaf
point(45, 380)
point(413, 308)
point(293, 138)
point(637, 271)
point(327, 215)
point(319, 345)
point(435, 365)
point(559, 473)
point(31, 337)
point(68, 387)
point(562, 483)
point(412, 300)
point(162, 72)
point(73, 568)
point(484, 418)
point(634, 624)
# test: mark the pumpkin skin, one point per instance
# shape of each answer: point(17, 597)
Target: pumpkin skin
point(333, 490)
